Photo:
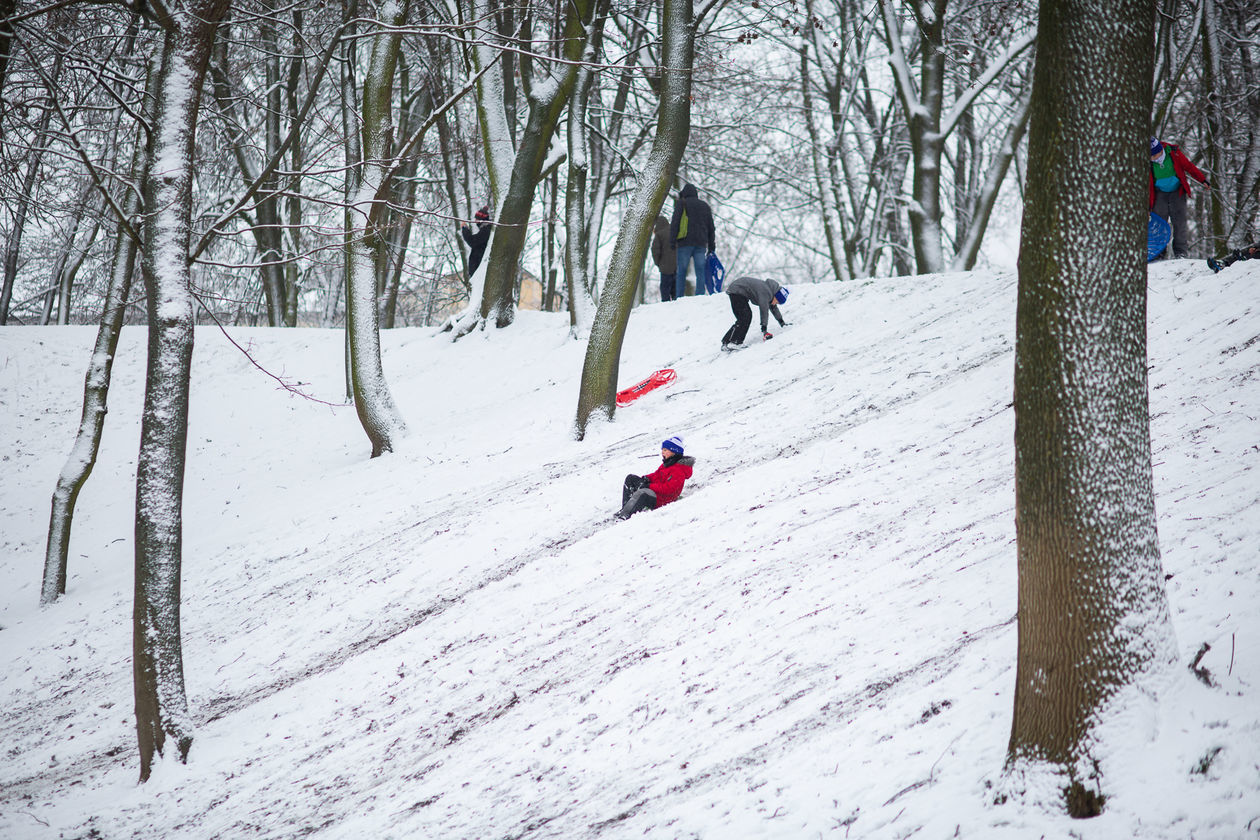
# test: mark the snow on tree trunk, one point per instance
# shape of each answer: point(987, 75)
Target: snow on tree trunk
point(82, 458)
point(373, 401)
point(597, 396)
point(929, 124)
point(966, 251)
point(547, 100)
point(160, 701)
point(1093, 615)
point(577, 245)
point(497, 146)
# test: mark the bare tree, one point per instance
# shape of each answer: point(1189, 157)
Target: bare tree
point(547, 94)
point(161, 702)
point(82, 457)
point(1093, 615)
point(365, 242)
point(598, 394)
point(930, 115)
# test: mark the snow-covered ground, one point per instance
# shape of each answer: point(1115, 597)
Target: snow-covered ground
point(455, 640)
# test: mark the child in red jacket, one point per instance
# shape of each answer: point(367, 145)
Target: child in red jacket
point(648, 492)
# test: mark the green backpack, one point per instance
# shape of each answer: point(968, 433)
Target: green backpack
point(682, 225)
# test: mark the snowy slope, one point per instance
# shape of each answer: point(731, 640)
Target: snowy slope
point(455, 641)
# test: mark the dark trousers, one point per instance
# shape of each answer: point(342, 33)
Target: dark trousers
point(1172, 206)
point(635, 496)
point(668, 292)
point(743, 319)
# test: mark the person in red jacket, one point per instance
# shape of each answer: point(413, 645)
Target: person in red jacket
point(656, 489)
point(1169, 188)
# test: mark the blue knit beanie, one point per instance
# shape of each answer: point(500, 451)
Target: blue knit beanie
point(781, 295)
point(674, 444)
point(1156, 146)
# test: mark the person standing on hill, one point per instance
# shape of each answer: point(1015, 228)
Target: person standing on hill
point(477, 241)
point(691, 233)
point(666, 259)
point(743, 292)
point(1169, 188)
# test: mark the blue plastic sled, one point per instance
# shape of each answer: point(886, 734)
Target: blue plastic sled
point(716, 272)
point(1158, 235)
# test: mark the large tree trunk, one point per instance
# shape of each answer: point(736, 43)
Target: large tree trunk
point(598, 394)
point(161, 703)
point(1093, 616)
point(373, 401)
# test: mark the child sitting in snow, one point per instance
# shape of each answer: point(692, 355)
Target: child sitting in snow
point(648, 492)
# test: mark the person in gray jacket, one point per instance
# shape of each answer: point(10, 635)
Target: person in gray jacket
point(745, 291)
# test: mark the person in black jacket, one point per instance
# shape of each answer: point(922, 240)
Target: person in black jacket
point(666, 259)
point(477, 241)
point(691, 234)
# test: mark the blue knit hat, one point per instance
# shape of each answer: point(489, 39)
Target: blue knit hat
point(781, 295)
point(674, 444)
point(1156, 146)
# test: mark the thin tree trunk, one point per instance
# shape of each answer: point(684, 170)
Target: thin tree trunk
point(161, 703)
point(373, 401)
point(598, 394)
point(833, 220)
point(1215, 124)
point(13, 243)
point(968, 250)
point(82, 458)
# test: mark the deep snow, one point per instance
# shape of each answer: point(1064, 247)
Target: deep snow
point(456, 641)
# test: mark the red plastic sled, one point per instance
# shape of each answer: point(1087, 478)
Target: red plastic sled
point(657, 380)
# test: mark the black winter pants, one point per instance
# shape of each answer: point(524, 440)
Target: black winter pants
point(635, 496)
point(743, 319)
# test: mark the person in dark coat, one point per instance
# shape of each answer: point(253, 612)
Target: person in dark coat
point(1171, 172)
point(477, 241)
point(745, 291)
point(666, 259)
point(691, 233)
point(657, 489)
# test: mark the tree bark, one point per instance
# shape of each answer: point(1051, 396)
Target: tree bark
point(378, 413)
point(1093, 616)
point(547, 101)
point(161, 702)
point(598, 394)
point(82, 458)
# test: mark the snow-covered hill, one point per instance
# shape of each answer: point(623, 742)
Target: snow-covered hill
point(456, 641)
